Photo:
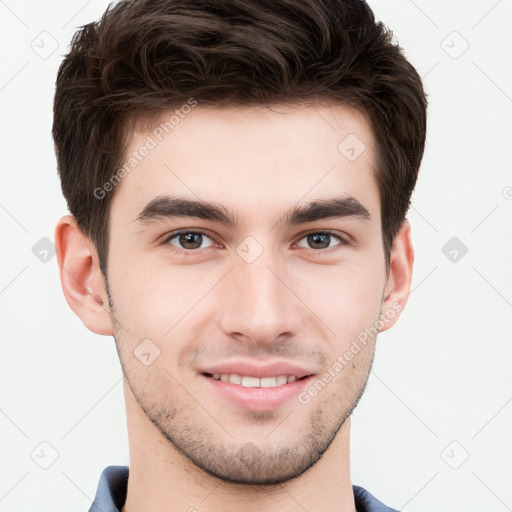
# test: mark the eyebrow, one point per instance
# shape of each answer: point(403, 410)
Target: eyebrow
point(164, 207)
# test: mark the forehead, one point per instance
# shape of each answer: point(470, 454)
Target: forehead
point(255, 158)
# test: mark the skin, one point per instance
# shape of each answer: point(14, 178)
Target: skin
point(296, 302)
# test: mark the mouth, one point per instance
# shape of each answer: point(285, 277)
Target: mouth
point(255, 382)
point(255, 393)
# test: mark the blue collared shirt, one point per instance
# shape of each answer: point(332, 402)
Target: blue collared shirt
point(113, 485)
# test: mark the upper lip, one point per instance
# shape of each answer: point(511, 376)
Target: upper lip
point(249, 369)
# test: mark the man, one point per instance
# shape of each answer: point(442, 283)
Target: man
point(238, 174)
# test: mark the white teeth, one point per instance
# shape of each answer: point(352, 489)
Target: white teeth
point(250, 382)
point(268, 382)
point(235, 379)
point(254, 382)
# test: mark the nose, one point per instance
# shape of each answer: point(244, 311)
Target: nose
point(258, 304)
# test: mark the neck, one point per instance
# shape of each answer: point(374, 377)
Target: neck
point(162, 478)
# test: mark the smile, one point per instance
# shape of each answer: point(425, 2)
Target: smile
point(253, 382)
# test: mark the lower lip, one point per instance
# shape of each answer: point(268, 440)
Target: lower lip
point(258, 399)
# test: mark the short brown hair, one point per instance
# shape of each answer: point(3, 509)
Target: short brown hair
point(144, 57)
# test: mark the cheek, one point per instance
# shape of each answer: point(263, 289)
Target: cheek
point(152, 299)
point(349, 301)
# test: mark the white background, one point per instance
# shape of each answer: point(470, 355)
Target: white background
point(441, 387)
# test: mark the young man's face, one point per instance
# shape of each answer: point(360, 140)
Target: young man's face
point(258, 291)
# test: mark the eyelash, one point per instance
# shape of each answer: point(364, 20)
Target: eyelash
point(191, 252)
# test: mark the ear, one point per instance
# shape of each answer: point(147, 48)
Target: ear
point(81, 278)
point(398, 285)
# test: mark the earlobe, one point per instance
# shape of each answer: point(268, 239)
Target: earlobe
point(398, 284)
point(80, 275)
